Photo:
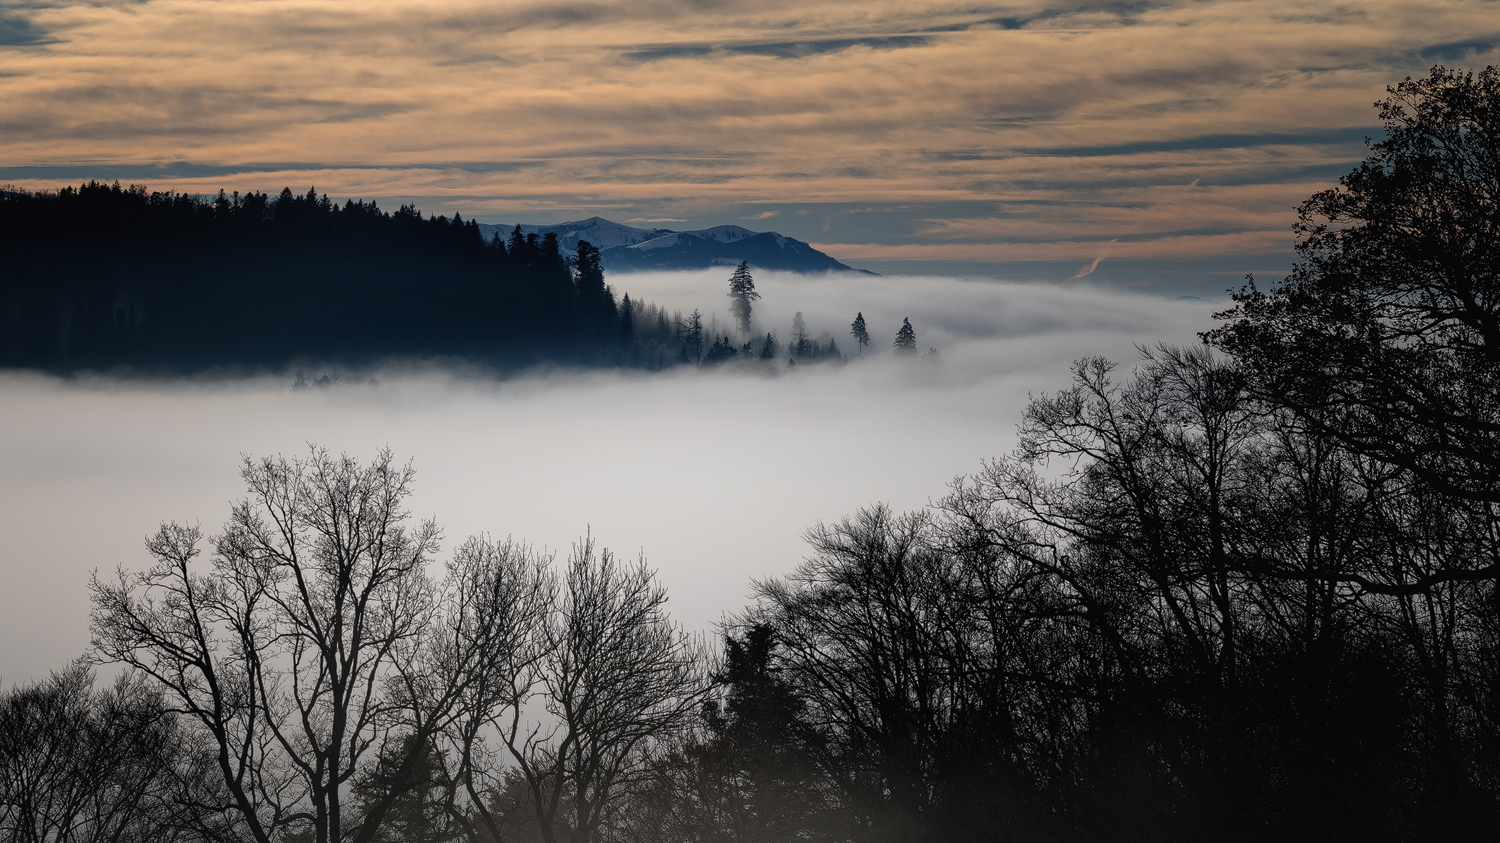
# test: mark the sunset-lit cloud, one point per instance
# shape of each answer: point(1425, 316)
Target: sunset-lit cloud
point(919, 130)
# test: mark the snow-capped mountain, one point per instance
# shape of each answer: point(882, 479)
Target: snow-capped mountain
point(596, 230)
point(628, 249)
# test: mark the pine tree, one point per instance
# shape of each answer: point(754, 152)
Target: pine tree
point(741, 294)
point(692, 337)
point(906, 340)
point(720, 351)
point(627, 319)
point(517, 246)
point(588, 273)
point(799, 336)
point(860, 334)
point(549, 250)
point(760, 729)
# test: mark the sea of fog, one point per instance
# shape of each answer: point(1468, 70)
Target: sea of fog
point(713, 475)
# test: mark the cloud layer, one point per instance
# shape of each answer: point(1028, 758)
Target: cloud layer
point(882, 131)
point(714, 474)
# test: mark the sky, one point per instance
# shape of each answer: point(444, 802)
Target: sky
point(713, 475)
point(1165, 144)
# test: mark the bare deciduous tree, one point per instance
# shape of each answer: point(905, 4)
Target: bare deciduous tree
point(617, 679)
point(501, 594)
point(310, 646)
point(79, 765)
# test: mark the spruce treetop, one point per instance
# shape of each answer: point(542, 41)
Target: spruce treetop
point(741, 294)
point(860, 333)
point(906, 340)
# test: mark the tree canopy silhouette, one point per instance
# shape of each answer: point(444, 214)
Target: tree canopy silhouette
point(1387, 332)
point(742, 295)
point(905, 344)
point(860, 333)
point(101, 277)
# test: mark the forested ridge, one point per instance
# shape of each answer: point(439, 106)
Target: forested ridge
point(103, 277)
point(126, 280)
point(1246, 590)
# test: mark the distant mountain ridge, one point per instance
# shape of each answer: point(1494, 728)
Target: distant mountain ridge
point(628, 249)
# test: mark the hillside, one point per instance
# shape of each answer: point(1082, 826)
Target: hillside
point(628, 249)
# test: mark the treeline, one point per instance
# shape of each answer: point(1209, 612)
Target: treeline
point(707, 343)
point(102, 277)
point(105, 278)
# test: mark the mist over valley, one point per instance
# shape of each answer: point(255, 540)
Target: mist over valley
point(713, 473)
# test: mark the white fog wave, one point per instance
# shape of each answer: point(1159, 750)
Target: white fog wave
point(712, 474)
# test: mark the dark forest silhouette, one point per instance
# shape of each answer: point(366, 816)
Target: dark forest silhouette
point(101, 276)
point(1249, 590)
point(105, 278)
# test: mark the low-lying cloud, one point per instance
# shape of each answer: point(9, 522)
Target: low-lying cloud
point(714, 474)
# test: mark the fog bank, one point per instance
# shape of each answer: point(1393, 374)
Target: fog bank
point(713, 474)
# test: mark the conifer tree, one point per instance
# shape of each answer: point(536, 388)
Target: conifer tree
point(721, 350)
point(549, 249)
point(859, 332)
point(741, 294)
point(589, 275)
point(627, 319)
point(692, 336)
point(906, 340)
point(517, 245)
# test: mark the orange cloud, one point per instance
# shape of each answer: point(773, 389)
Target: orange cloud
point(905, 126)
point(1170, 248)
